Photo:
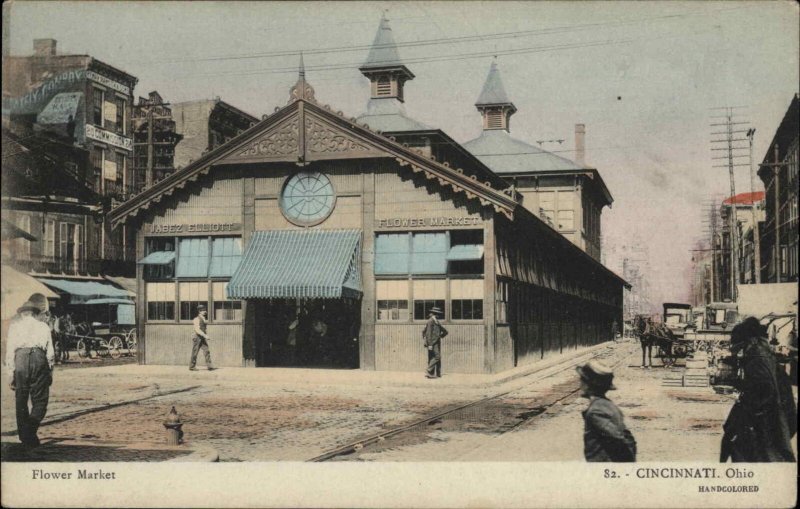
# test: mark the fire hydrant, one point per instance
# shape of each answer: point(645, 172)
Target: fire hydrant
point(173, 425)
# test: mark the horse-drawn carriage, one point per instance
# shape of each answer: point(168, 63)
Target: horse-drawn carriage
point(114, 338)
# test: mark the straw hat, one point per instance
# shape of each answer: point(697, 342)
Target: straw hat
point(29, 306)
point(597, 374)
point(435, 310)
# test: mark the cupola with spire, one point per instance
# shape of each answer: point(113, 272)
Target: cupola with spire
point(386, 72)
point(493, 103)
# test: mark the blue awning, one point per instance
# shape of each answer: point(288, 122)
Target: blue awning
point(465, 252)
point(158, 258)
point(312, 264)
point(109, 300)
point(81, 292)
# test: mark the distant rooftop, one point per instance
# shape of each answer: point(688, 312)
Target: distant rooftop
point(504, 154)
point(389, 115)
point(745, 198)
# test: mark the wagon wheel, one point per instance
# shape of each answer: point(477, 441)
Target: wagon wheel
point(116, 342)
point(132, 341)
point(83, 352)
point(667, 356)
point(114, 352)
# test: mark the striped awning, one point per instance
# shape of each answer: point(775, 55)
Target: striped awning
point(464, 252)
point(312, 264)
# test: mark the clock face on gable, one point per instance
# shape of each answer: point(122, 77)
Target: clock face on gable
point(307, 198)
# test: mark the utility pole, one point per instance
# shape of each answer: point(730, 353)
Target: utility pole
point(730, 136)
point(756, 233)
point(777, 181)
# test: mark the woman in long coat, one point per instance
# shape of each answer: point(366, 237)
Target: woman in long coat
point(759, 426)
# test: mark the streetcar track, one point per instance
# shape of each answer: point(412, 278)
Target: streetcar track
point(439, 417)
point(80, 413)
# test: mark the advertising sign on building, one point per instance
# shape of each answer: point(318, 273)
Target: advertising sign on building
point(110, 111)
point(108, 82)
point(60, 108)
point(110, 170)
point(36, 98)
point(95, 133)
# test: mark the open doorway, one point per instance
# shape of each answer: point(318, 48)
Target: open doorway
point(311, 333)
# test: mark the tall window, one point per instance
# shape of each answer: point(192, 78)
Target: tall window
point(392, 296)
point(49, 239)
point(224, 309)
point(547, 205)
point(192, 294)
point(121, 172)
point(226, 253)
point(192, 258)
point(120, 121)
point(160, 301)
point(429, 253)
point(24, 245)
point(392, 253)
point(502, 301)
point(70, 241)
point(97, 107)
point(428, 293)
point(160, 270)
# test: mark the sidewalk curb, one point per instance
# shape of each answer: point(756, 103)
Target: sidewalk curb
point(535, 367)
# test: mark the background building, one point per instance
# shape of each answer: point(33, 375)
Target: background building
point(66, 119)
point(205, 125)
point(154, 141)
point(779, 173)
point(568, 195)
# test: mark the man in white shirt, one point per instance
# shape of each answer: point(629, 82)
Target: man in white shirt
point(30, 358)
point(200, 339)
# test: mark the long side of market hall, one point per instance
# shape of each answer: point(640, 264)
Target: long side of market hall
point(315, 241)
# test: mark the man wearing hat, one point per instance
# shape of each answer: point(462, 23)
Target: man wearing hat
point(605, 437)
point(30, 358)
point(200, 338)
point(433, 334)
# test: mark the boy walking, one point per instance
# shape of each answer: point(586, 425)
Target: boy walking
point(605, 437)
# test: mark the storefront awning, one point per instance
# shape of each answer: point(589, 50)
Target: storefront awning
point(16, 287)
point(109, 300)
point(158, 258)
point(465, 252)
point(311, 264)
point(81, 292)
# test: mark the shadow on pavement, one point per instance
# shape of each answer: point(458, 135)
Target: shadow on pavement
point(65, 451)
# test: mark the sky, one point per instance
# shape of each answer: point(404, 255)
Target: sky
point(642, 76)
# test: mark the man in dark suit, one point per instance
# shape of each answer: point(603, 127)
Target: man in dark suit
point(433, 334)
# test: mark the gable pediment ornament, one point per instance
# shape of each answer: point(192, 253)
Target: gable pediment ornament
point(322, 138)
point(282, 141)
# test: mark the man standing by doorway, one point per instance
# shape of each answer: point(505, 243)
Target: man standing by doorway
point(30, 358)
point(433, 334)
point(200, 339)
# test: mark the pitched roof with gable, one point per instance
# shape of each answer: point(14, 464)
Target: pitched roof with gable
point(367, 143)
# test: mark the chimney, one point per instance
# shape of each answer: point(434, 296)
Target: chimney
point(44, 47)
point(580, 144)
